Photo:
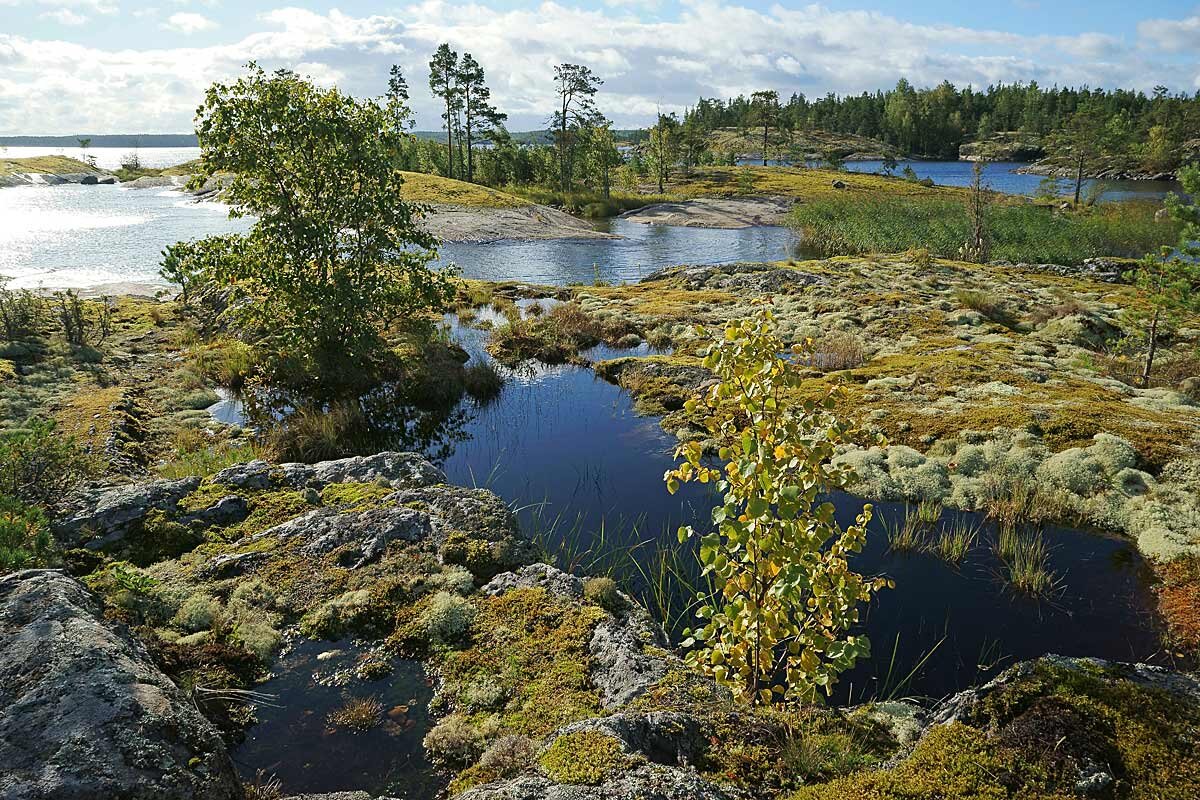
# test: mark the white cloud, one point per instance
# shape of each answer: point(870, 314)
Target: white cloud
point(64, 16)
point(188, 23)
point(710, 48)
point(1171, 35)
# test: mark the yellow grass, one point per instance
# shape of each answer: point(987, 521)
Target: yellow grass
point(44, 165)
point(798, 182)
point(422, 188)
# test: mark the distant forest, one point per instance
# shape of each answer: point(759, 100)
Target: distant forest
point(933, 122)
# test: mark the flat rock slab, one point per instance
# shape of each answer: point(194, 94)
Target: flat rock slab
point(712, 212)
point(468, 224)
point(85, 713)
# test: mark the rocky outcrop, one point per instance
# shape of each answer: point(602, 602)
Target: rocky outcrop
point(1002, 147)
point(742, 277)
point(84, 712)
point(397, 470)
point(452, 223)
point(102, 517)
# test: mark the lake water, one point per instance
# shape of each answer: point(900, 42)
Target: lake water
point(1003, 177)
point(73, 236)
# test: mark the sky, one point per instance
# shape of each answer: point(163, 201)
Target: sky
point(118, 66)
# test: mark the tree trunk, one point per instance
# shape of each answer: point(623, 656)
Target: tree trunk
point(764, 144)
point(1151, 350)
point(1078, 178)
point(470, 161)
point(449, 140)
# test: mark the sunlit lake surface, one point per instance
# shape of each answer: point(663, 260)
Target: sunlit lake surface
point(76, 236)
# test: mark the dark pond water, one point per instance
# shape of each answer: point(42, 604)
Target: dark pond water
point(584, 472)
point(1003, 177)
point(296, 742)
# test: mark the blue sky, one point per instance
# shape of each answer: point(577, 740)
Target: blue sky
point(97, 66)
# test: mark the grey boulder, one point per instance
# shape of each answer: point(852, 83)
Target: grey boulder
point(85, 713)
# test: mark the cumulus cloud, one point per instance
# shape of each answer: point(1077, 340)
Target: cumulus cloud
point(188, 23)
point(708, 48)
point(1171, 35)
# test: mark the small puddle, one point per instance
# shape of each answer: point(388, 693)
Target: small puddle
point(297, 742)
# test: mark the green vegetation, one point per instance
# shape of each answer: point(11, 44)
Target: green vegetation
point(358, 715)
point(1036, 735)
point(333, 256)
point(584, 757)
point(420, 187)
point(1142, 132)
point(786, 595)
point(1019, 232)
point(809, 185)
point(1170, 281)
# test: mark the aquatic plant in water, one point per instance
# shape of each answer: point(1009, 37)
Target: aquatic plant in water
point(1025, 557)
point(954, 542)
point(905, 535)
point(357, 715)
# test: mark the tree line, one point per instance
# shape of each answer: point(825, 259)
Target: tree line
point(934, 122)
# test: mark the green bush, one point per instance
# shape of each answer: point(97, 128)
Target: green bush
point(24, 536)
point(39, 465)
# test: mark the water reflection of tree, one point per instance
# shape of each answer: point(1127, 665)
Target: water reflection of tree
point(383, 418)
point(397, 425)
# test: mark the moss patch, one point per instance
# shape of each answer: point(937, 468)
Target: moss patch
point(534, 647)
point(583, 757)
point(1033, 737)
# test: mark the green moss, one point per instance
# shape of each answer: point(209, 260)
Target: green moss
point(205, 496)
point(268, 509)
point(355, 496)
point(158, 537)
point(583, 757)
point(533, 646)
point(484, 559)
point(1030, 737)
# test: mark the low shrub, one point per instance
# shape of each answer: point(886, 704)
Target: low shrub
point(482, 380)
point(39, 465)
point(25, 539)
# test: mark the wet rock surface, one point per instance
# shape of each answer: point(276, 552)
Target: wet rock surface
point(644, 782)
point(84, 713)
point(397, 470)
